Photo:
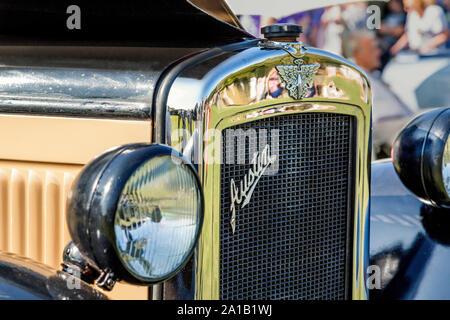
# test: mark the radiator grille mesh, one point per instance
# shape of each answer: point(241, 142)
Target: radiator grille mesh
point(290, 240)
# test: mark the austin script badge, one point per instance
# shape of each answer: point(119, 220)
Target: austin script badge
point(241, 195)
point(298, 77)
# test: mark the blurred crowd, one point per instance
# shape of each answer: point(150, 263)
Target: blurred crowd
point(371, 33)
point(417, 25)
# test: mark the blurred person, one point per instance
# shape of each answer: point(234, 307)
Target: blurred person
point(365, 50)
point(426, 27)
point(274, 85)
point(314, 28)
point(354, 15)
point(354, 18)
point(391, 29)
point(330, 35)
point(436, 21)
point(305, 21)
point(389, 113)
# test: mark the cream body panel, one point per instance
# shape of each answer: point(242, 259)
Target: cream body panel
point(39, 159)
point(65, 140)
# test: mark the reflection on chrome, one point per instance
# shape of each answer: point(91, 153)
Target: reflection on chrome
point(272, 86)
point(294, 107)
point(446, 166)
point(157, 218)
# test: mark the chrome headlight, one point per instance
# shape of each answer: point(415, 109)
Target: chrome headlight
point(137, 210)
point(421, 155)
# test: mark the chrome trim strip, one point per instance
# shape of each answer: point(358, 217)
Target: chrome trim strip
point(105, 82)
point(76, 92)
point(86, 108)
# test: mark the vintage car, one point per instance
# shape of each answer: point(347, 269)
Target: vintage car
point(133, 166)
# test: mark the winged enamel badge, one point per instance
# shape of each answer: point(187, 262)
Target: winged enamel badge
point(298, 77)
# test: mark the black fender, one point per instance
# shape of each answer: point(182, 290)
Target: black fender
point(409, 240)
point(24, 279)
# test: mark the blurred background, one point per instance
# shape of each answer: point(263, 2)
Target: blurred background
point(403, 45)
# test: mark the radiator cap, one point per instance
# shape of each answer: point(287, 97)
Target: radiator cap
point(282, 30)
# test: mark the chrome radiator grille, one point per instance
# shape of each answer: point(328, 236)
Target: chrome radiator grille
point(291, 239)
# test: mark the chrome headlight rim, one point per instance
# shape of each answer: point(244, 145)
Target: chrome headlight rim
point(93, 202)
point(418, 153)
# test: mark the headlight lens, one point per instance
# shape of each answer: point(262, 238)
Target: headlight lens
point(446, 166)
point(157, 218)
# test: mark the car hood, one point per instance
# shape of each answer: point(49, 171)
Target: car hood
point(197, 24)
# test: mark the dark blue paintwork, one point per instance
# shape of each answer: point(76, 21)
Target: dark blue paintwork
point(24, 279)
point(11, 292)
point(409, 240)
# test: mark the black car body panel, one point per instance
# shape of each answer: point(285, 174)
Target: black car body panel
point(131, 23)
point(24, 279)
point(409, 240)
